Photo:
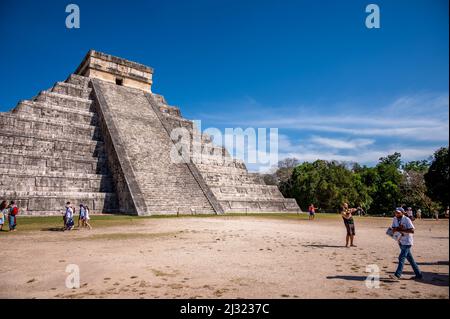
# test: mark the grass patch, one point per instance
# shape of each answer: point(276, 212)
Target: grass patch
point(49, 223)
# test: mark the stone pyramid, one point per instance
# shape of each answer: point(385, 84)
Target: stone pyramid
point(103, 139)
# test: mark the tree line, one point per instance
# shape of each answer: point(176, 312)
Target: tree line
point(378, 189)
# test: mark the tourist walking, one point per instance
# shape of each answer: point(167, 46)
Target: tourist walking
point(360, 211)
point(405, 227)
point(436, 214)
point(81, 216)
point(13, 211)
point(312, 211)
point(409, 213)
point(419, 214)
point(87, 218)
point(3, 213)
point(68, 217)
point(349, 223)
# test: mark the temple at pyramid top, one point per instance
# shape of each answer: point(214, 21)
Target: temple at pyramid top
point(116, 70)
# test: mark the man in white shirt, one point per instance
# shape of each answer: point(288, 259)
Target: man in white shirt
point(403, 225)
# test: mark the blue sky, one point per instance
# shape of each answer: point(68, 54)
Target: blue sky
point(333, 88)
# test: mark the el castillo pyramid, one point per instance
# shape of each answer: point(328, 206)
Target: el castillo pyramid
point(102, 138)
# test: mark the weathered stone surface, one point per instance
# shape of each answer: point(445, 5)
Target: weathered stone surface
point(101, 138)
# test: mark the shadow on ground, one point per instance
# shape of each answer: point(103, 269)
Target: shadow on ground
point(323, 246)
point(430, 278)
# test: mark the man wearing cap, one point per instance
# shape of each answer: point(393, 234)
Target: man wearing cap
point(403, 225)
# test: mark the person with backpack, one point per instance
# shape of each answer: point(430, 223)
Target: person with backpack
point(13, 212)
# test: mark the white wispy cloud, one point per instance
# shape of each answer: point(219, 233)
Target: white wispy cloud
point(422, 117)
point(413, 125)
point(342, 143)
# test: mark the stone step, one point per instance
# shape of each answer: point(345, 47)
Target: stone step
point(222, 161)
point(63, 100)
point(215, 179)
point(216, 169)
point(18, 151)
point(24, 145)
point(52, 164)
point(47, 111)
point(48, 128)
point(247, 193)
point(78, 80)
point(23, 181)
point(273, 205)
point(72, 90)
point(45, 173)
point(29, 138)
point(178, 210)
point(51, 203)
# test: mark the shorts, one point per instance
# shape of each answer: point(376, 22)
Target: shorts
point(311, 213)
point(350, 229)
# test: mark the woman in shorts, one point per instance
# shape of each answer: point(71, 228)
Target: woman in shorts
point(349, 224)
point(86, 218)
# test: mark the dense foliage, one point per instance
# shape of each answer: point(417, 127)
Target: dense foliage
point(378, 189)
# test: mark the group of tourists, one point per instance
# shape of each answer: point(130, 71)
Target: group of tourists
point(83, 217)
point(401, 229)
point(8, 213)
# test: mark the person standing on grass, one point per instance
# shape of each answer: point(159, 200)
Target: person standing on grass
point(3, 214)
point(405, 227)
point(13, 211)
point(349, 223)
point(312, 211)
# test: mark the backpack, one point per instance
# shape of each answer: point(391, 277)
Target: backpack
point(15, 211)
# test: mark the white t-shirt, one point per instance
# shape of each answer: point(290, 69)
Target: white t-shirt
point(69, 212)
point(407, 238)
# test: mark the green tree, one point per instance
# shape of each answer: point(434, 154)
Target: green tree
point(385, 190)
point(326, 185)
point(437, 177)
point(417, 166)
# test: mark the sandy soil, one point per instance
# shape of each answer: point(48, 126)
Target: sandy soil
point(222, 257)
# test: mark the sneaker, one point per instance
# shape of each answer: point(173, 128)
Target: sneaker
point(393, 278)
point(420, 277)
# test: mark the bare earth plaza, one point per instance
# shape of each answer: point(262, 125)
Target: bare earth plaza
point(221, 257)
point(306, 159)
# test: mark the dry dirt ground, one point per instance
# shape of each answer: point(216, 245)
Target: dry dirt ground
point(221, 257)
